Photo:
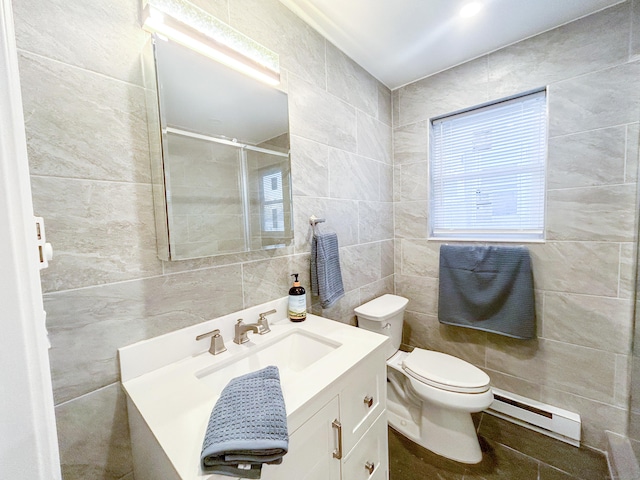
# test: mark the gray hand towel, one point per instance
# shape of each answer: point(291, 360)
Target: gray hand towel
point(247, 427)
point(326, 277)
point(487, 288)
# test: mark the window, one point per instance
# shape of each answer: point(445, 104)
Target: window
point(487, 171)
point(272, 201)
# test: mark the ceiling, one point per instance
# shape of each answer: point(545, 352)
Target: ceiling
point(399, 41)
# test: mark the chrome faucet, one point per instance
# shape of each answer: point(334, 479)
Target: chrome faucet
point(264, 323)
point(242, 329)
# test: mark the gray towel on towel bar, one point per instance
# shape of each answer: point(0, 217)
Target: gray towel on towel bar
point(326, 277)
point(487, 288)
point(247, 426)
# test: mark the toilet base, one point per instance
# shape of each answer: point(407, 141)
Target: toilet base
point(457, 441)
point(451, 434)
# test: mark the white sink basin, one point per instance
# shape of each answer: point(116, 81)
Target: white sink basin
point(292, 353)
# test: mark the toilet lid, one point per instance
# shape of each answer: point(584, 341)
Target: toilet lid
point(445, 372)
point(381, 308)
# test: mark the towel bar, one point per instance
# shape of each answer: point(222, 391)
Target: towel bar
point(313, 220)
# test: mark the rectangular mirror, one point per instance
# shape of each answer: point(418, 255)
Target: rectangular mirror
point(222, 179)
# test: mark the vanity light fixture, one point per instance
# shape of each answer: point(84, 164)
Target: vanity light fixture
point(194, 28)
point(470, 9)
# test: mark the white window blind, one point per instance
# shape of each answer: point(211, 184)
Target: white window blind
point(487, 172)
point(272, 202)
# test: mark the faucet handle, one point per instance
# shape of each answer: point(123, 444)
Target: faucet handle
point(217, 342)
point(263, 322)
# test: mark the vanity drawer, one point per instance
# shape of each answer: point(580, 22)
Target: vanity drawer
point(361, 402)
point(369, 460)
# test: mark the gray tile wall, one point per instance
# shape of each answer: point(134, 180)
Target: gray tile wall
point(86, 125)
point(584, 271)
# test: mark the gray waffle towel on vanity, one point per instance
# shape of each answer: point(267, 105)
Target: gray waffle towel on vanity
point(487, 288)
point(247, 426)
point(326, 277)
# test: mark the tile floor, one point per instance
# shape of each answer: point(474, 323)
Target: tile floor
point(510, 452)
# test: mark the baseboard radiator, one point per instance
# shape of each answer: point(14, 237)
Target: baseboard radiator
point(547, 419)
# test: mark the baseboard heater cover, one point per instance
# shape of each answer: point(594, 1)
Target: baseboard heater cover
point(547, 419)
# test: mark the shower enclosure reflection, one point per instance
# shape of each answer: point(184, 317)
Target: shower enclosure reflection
point(224, 172)
point(224, 198)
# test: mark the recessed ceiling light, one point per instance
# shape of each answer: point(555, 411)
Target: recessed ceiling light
point(470, 9)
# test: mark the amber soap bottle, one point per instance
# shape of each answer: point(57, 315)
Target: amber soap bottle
point(297, 301)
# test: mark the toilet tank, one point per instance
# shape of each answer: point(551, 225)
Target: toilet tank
point(384, 315)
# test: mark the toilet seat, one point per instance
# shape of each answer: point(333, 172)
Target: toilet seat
point(445, 372)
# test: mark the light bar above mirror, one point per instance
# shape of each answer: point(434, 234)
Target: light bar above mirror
point(188, 25)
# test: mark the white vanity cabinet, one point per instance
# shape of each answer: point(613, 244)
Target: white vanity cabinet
point(345, 439)
point(333, 379)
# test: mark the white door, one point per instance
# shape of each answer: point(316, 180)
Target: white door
point(311, 448)
point(28, 441)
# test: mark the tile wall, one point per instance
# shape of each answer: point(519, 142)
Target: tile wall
point(584, 272)
point(89, 156)
point(86, 126)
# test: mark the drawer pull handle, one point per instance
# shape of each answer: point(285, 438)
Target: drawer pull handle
point(337, 453)
point(368, 400)
point(370, 467)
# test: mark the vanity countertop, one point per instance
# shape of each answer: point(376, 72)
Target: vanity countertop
point(175, 400)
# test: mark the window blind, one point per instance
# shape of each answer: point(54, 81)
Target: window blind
point(487, 171)
point(272, 202)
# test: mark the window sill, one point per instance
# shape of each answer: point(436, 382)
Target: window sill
point(486, 240)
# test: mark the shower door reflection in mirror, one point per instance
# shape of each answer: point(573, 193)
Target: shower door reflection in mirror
point(225, 198)
point(225, 169)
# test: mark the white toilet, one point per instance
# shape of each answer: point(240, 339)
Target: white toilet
point(430, 395)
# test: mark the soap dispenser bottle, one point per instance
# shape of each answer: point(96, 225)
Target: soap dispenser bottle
point(297, 302)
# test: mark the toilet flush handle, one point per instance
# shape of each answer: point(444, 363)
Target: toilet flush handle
point(387, 326)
